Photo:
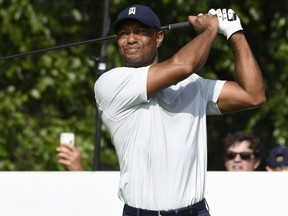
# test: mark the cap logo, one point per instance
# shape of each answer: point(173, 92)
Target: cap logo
point(132, 10)
point(279, 159)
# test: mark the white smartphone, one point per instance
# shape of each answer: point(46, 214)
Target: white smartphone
point(67, 138)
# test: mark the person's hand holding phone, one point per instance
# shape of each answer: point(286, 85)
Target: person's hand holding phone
point(68, 154)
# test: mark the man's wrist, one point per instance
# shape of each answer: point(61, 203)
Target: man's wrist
point(241, 31)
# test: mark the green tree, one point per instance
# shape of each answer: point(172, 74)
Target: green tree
point(44, 95)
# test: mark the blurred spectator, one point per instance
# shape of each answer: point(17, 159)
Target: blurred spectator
point(242, 151)
point(277, 159)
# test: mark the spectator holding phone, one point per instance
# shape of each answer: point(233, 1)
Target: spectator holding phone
point(242, 151)
point(70, 156)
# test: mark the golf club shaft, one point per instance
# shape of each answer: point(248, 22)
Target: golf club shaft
point(97, 40)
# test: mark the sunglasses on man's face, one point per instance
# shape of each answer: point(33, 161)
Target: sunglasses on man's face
point(230, 155)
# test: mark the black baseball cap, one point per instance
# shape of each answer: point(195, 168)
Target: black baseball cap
point(278, 156)
point(140, 13)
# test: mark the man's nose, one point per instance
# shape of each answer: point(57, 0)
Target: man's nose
point(238, 158)
point(132, 38)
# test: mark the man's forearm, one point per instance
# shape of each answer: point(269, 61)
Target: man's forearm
point(199, 48)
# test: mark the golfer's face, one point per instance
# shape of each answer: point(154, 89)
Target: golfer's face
point(137, 43)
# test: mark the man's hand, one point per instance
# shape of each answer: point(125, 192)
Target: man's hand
point(203, 22)
point(229, 22)
point(70, 157)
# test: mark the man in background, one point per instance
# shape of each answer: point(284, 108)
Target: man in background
point(242, 151)
point(277, 159)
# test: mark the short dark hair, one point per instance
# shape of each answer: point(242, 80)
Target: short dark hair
point(239, 136)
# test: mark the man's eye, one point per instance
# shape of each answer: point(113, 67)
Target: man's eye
point(122, 32)
point(141, 31)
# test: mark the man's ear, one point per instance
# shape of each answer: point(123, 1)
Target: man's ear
point(257, 163)
point(160, 37)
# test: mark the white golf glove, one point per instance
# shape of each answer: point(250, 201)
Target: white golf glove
point(229, 22)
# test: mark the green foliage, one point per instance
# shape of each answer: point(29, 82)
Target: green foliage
point(43, 95)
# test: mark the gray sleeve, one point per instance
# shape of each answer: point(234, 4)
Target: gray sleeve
point(118, 90)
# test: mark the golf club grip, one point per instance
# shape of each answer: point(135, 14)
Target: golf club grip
point(175, 26)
